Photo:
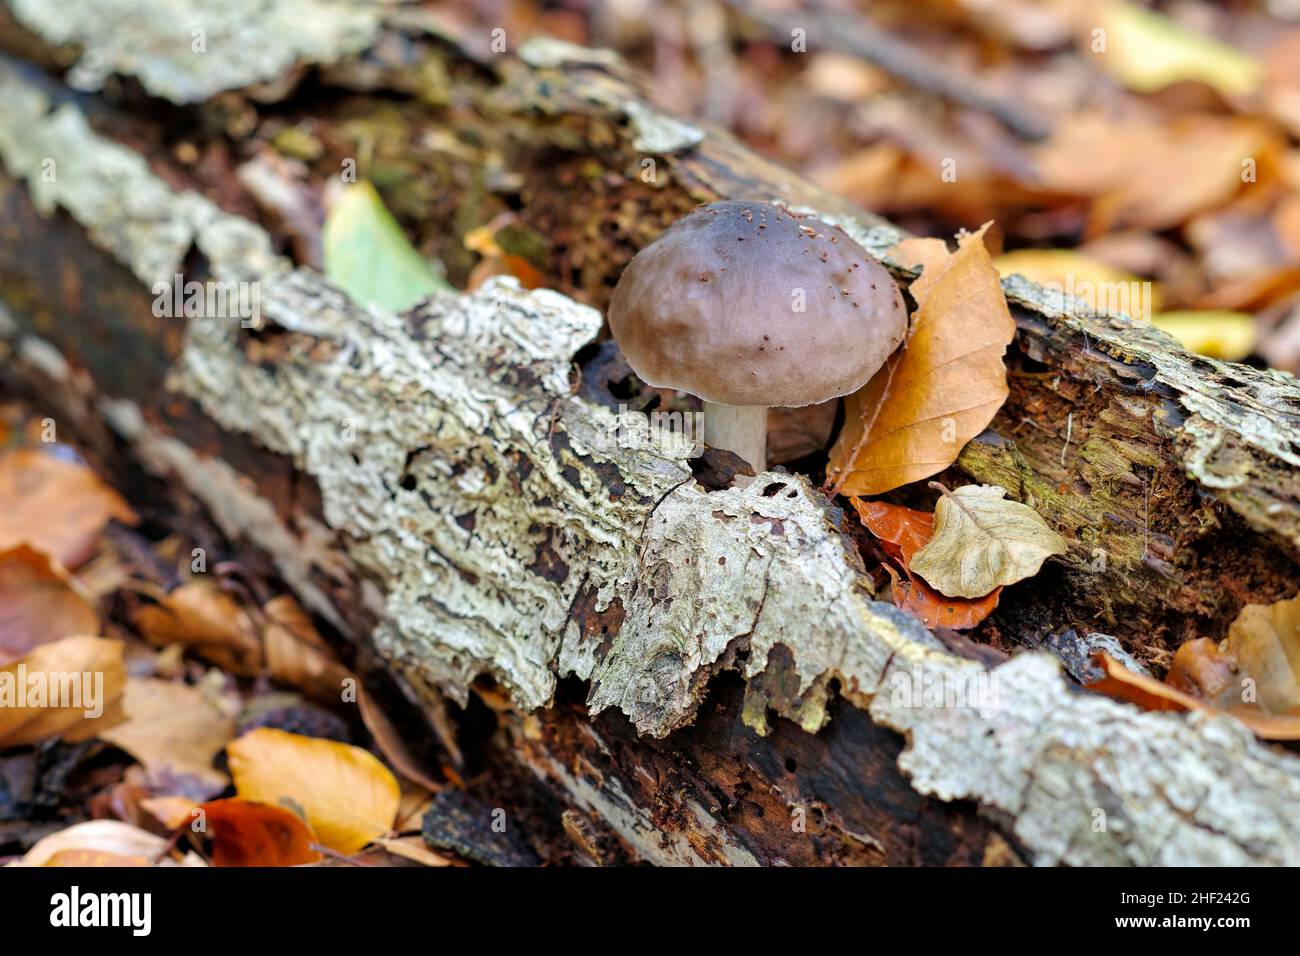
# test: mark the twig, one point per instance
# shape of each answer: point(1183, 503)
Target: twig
point(858, 36)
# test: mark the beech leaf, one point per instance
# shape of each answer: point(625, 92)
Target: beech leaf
point(982, 540)
point(38, 603)
point(369, 257)
point(58, 507)
point(943, 387)
point(903, 532)
point(348, 796)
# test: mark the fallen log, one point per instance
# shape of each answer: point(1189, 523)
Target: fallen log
point(678, 670)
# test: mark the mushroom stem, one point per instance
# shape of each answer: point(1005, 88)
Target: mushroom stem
point(738, 428)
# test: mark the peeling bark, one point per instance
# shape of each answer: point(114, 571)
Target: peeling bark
point(473, 510)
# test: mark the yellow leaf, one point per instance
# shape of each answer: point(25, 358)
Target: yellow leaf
point(1103, 287)
point(348, 796)
point(1223, 335)
point(982, 541)
point(70, 688)
point(1147, 51)
point(944, 385)
point(175, 732)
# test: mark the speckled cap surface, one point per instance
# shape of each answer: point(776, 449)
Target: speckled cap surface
point(745, 303)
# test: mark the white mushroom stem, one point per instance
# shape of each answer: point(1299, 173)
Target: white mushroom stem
point(738, 428)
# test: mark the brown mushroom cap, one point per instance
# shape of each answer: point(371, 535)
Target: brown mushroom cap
point(710, 308)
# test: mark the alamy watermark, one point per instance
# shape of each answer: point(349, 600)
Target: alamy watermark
point(76, 690)
point(680, 434)
point(213, 299)
point(963, 688)
point(1108, 298)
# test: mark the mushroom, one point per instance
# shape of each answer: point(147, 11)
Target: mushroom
point(750, 306)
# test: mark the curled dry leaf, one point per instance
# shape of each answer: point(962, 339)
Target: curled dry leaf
point(903, 532)
point(415, 849)
point(207, 620)
point(71, 688)
point(112, 837)
point(244, 833)
point(296, 653)
point(348, 796)
point(982, 541)
point(38, 603)
point(56, 506)
point(1150, 694)
point(173, 812)
point(943, 387)
point(175, 732)
point(1265, 642)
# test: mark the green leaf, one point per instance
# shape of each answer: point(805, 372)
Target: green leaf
point(368, 256)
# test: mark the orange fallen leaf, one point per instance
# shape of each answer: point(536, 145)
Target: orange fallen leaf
point(903, 532)
point(1150, 694)
point(70, 688)
point(938, 610)
point(56, 506)
point(347, 796)
point(38, 603)
point(244, 833)
point(942, 388)
point(208, 621)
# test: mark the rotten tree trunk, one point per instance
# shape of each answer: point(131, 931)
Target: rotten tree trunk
point(681, 672)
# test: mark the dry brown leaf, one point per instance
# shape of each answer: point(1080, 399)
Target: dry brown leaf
point(903, 532)
point(1203, 669)
point(244, 833)
point(1265, 642)
point(414, 848)
point(173, 812)
point(56, 506)
point(83, 676)
point(296, 653)
point(983, 541)
point(391, 744)
point(347, 796)
point(174, 731)
point(1143, 174)
point(1150, 694)
point(941, 389)
point(208, 621)
point(38, 603)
